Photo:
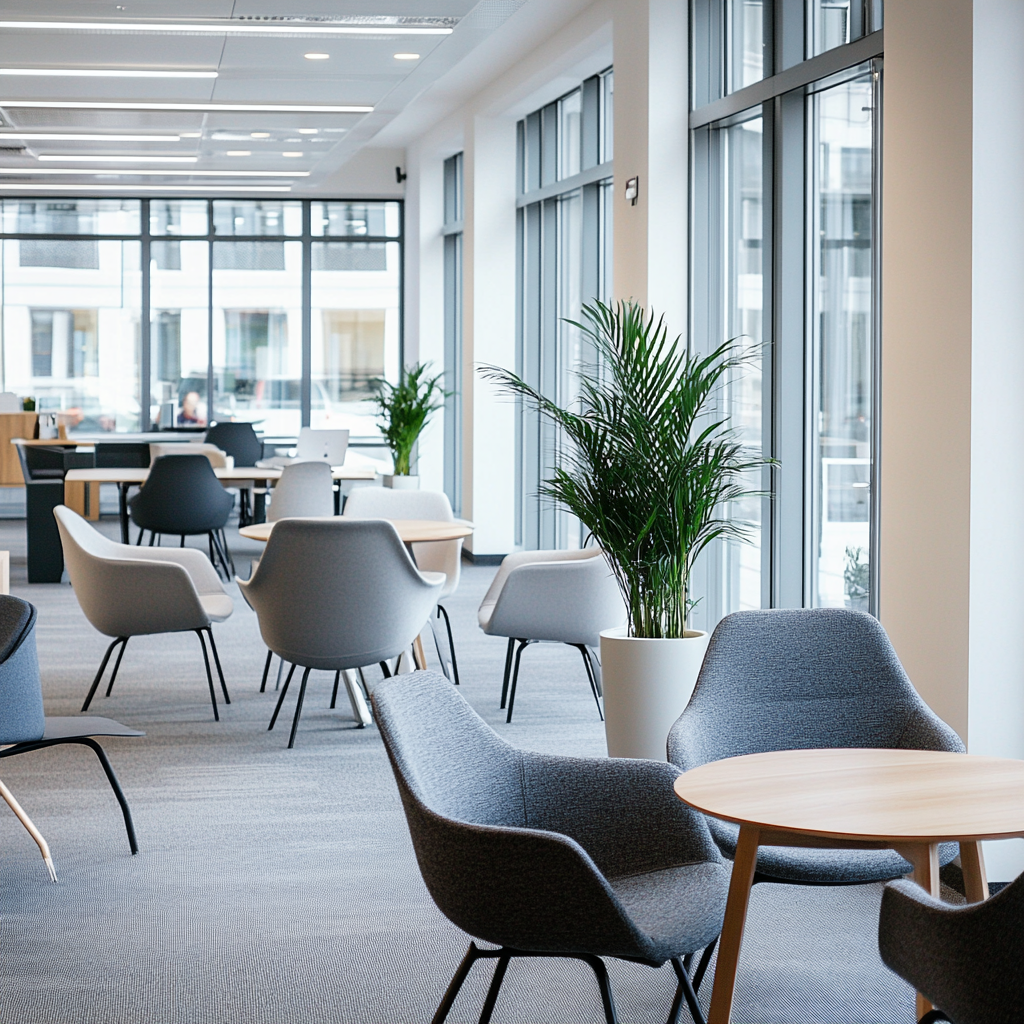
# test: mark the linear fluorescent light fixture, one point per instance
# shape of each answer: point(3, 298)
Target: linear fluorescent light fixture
point(99, 73)
point(84, 158)
point(69, 187)
point(79, 137)
point(230, 27)
point(190, 173)
point(261, 108)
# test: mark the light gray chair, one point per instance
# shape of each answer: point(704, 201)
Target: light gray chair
point(128, 591)
point(794, 679)
point(305, 489)
point(966, 960)
point(549, 856)
point(337, 594)
point(564, 597)
point(436, 556)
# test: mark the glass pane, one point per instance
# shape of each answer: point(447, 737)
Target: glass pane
point(71, 329)
point(256, 217)
point(177, 217)
point(72, 216)
point(745, 30)
point(834, 23)
point(743, 209)
point(452, 189)
point(569, 111)
point(355, 325)
point(179, 280)
point(257, 334)
point(607, 116)
point(843, 344)
point(375, 219)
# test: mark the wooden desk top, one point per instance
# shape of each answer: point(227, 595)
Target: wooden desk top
point(891, 796)
point(412, 531)
point(138, 476)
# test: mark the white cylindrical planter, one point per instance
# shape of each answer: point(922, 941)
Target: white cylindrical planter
point(402, 483)
point(647, 683)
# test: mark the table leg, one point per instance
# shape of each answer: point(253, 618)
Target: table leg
point(743, 867)
point(925, 858)
point(972, 860)
point(419, 655)
point(122, 493)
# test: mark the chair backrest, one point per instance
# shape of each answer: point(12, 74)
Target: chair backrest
point(217, 458)
point(21, 696)
point(337, 593)
point(238, 440)
point(305, 489)
point(328, 445)
point(385, 503)
point(789, 679)
point(181, 495)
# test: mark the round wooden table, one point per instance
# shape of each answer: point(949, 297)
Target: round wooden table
point(412, 531)
point(905, 800)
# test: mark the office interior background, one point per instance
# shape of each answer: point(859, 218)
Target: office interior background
point(832, 183)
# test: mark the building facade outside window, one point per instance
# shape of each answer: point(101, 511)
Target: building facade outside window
point(453, 220)
point(785, 201)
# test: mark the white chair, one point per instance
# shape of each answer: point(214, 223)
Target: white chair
point(218, 459)
point(305, 489)
point(435, 556)
point(336, 595)
point(127, 591)
point(564, 597)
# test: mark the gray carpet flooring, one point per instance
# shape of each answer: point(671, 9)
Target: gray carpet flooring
point(278, 886)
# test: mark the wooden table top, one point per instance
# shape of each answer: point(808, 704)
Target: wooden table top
point(915, 796)
point(138, 476)
point(412, 531)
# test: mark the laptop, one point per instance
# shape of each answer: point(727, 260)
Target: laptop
point(328, 446)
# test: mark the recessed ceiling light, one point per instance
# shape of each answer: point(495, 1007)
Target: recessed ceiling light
point(292, 152)
point(191, 173)
point(308, 131)
point(239, 152)
point(191, 135)
point(72, 187)
point(262, 108)
point(317, 56)
point(76, 137)
point(104, 158)
point(103, 73)
point(260, 135)
point(407, 56)
point(230, 27)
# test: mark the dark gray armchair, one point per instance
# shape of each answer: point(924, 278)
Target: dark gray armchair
point(966, 960)
point(549, 856)
point(793, 679)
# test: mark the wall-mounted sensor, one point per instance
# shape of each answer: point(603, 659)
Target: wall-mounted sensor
point(632, 190)
point(400, 176)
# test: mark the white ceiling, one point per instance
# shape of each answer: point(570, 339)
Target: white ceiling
point(262, 68)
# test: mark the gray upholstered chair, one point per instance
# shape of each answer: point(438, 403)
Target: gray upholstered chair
point(564, 597)
point(793, 679)
point(305, 489)
point(549, 856)
point(966, 960)
point(337, 594)
point(25, 727)
point(436, 556)
point(128, 591)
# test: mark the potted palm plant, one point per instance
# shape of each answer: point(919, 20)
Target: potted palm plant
point(648, 470)
point(404, 410)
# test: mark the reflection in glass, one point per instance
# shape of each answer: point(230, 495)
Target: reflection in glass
point(361, 218)
point(569, 152)
point(607, 122)
point(745, 30)
point(842, 343)
point(72, 216)
point(257, 217)
point(71, 329)
point(833, 23)
point(177, 217)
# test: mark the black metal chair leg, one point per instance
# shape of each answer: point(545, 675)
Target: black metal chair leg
point(523, 644)
point(280, 672)
point(492, 992)
point(116, 787)
point(280, 700)
point(152, 538)
point(455, 985)
point(216, 661)
point(386, 669)
point(298, 709)
point(117, 665)
point(209, 675)
point(688, 993)
point(227, 550)
point(508, 671)
point(182, 544)
point(451, 643)
point(437, 647)
point(138, 542)
point(582, 648)
point(702, 967)
point(334, 693)
point(266, 671)
point(99, 674)
point(601, 973)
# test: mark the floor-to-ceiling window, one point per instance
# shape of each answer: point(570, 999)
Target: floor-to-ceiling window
point(564, 232)
point(785, 207)
point(453, 218)
point(126, 314)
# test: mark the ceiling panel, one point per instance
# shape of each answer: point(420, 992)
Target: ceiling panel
point(64, 49)
point(119, 120)
point(351, 55)
point(78, 89)
point(96, 9)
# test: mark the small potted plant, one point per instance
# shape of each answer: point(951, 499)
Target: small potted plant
point(649, 472)
point(404, 410)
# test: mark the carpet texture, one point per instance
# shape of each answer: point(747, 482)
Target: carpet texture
point(279, 887)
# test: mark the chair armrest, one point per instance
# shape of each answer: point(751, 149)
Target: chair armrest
point(520, 558)
point(623, 812)
point(199, 568)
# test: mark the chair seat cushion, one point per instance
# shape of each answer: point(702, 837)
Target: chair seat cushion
point(823, 867)
point(680, 909)
point(217, 606)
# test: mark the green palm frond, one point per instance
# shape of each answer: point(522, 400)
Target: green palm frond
point(404, 410)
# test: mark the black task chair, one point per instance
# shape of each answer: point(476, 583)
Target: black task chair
point(182, 496)
point(22, 720)
point(239, 440)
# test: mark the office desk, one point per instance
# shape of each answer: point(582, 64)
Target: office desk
point(905, 800)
